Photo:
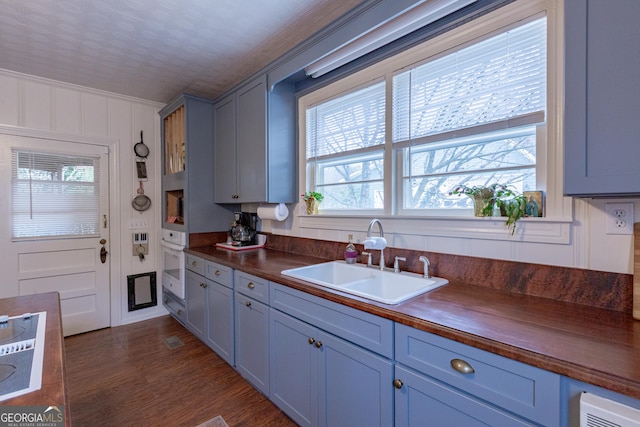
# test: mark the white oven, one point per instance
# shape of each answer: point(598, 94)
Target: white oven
point(173, 271)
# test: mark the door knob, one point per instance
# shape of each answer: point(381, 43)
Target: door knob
point(103, 251)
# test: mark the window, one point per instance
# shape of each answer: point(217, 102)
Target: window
point(469, 117)
point(345, 149)
point(54, 195)
point(472, 112)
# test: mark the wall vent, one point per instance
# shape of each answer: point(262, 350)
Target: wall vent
point(596, 411)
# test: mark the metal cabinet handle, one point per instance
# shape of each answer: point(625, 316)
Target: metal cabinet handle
point(318, 344)
point(311, 340)
point(203, 285)
point(462, 366)
point(218, 272)
point(180, 312)
point(251, 285)
point(398, 384)
point(194, 263)
point(248, 303)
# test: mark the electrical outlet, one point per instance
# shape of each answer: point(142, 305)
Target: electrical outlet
point(619, 218)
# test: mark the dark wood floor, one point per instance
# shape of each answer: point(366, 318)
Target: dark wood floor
point(127, 376)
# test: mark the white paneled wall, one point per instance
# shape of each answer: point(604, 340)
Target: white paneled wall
point(49, 106)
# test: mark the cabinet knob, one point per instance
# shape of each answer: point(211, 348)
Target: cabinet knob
point(203, 285)
point(179, 312)
point(251, 285)
point(318, 344)
point(462, 366)
point(398, 384)
point(311, 340)
point(218, 272)
point(194, 263)
point(248, 303)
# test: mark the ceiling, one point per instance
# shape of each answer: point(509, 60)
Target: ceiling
point(155, 49)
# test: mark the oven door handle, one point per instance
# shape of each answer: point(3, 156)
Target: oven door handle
point(172, 246)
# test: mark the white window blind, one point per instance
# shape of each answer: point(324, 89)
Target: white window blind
point(350, 123)
point(470, 117)
point(491, 81)
point(345, 148)
point(54, 195)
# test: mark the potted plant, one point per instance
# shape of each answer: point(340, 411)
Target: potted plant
point(484, 197)
point(487, 197)
point(312, 200)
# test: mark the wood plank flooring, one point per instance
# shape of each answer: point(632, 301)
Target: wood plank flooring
point(127, 376)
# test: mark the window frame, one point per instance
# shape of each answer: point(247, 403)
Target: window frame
point(554, 227)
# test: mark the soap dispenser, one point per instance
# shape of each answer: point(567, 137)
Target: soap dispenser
point(350, 252)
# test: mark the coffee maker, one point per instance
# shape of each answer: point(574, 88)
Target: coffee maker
point(243, 229)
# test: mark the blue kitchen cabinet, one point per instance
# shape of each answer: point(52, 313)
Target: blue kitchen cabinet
point(252, 330)
point(254, 144)
point(294, 379)
point(187, 177)
point(196, 303)
point(423, 401)
point(602, 98)
point(209, 305)
point(319, 376)
point(440, 379)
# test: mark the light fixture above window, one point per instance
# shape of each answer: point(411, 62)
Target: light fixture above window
point(417, 17)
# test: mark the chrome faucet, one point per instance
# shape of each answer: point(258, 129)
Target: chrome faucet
point(379, 243)
point(426, 264)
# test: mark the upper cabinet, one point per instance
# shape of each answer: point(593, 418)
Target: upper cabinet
point(187, 167)
point(255, 150)
point(602, 98)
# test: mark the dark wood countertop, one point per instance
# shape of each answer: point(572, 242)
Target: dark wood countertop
point(53, 391)
point(594, 345)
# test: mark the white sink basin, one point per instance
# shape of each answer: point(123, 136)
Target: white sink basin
point(357, 279)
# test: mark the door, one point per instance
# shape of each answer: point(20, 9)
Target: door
point(224, 137)
point(355, 385)
point(293, 376)
point(196, 287)
point(54, 198)
point(252, 341)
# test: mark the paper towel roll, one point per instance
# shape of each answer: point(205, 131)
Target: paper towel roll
point(277, 212)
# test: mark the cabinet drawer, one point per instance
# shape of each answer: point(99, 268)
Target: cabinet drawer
point(194, 264)
point(175, 306)
point(364, 329)
point(530, 392)
point(252, 286)
point(219, 273)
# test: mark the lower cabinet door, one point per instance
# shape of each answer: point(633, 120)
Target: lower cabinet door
point(196, 303)
point(252, 341)
point(220, 321)
point(293, 376)
point(422, 401)
point(355, 385)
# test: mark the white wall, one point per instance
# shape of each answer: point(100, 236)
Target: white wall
point(45, 105)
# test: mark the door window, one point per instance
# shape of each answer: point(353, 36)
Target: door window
point(54, 195)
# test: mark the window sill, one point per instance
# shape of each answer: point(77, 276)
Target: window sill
point(532, 230)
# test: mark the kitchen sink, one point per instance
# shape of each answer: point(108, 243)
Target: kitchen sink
point(357, 279)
